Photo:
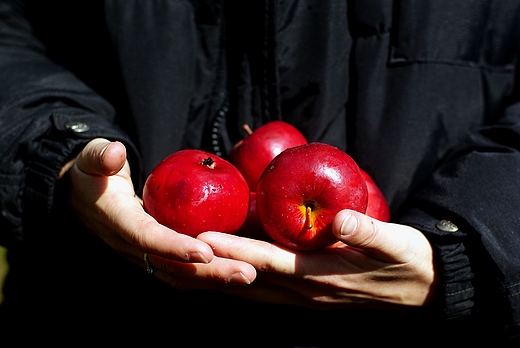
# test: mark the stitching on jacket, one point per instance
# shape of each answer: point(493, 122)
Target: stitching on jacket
point(459, 292)
point(516, 292)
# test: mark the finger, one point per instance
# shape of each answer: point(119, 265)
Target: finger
point(102, 157)
point(177, 282)
point(151, 237)
point(265, 257)
point(218, 272)
point(384, 241)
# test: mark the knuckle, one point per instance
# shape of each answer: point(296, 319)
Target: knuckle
point(368, 233)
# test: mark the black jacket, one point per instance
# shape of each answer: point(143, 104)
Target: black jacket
point(423, 95)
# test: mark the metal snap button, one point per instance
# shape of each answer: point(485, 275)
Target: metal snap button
point(446, 226)
point(77, 127)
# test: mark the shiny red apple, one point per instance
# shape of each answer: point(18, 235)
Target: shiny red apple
point(302, 190)
point(192, 191)
point(252, 154)
point(252, 228)
point(377, 204)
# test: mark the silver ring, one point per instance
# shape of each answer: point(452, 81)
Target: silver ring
point(149, 268)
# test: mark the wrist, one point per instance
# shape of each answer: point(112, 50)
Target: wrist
point(455, 288)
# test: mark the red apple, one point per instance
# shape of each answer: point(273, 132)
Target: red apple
point(252, 154)
point(252, 228)
point(192, 191)
point(377, 205)
point(302, 190)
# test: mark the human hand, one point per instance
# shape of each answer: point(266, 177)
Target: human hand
point(102, 196)
point(375, 265)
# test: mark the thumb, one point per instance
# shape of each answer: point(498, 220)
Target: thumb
point(102, 157)
point(380, 240)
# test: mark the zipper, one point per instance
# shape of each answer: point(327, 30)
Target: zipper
point(216, 128)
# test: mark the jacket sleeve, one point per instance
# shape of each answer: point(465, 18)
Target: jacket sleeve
point(476, 189)
point(46, 116)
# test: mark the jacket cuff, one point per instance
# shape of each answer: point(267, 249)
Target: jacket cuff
point(69, 134)
point(452, 264)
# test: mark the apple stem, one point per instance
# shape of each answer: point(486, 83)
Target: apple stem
point(308, 220)
point(208, 162)
point(247, 129)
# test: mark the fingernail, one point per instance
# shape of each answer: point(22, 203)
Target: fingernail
point(196, 257)
point(348, 225)
point(239, 278)
point(102, 154)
